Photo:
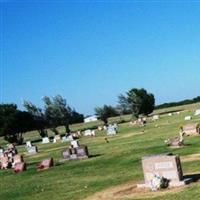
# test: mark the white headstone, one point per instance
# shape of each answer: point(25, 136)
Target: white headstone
point(100, 128)
point(197, 112)
point(88, 132)
point(28, 144)
point(93, 133)
point(155, 117)
point(75, 143)
point(111, 130)
point(45, 140)
point(56, 138)
point(79, 133)
point(70, 138)
point(1, 152)
point(188, 118)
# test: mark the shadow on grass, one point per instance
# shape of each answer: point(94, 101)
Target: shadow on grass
point(95, 155)
point(194, 177)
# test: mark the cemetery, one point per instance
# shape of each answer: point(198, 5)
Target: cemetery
point(100, 100)
point(127, 165)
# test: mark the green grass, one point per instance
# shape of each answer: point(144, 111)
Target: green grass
point(114, 163)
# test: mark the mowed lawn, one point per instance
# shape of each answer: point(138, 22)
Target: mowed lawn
point(110, 164)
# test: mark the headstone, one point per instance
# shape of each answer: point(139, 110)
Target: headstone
point(144, 119)
point(28, 144)
point(17, 159)
point(11, 146)
point(82, 152)
point(19, 167)
point(163, 165)
point(111, 130)
point(64, 139)
point(100, 128)
point(73, 156)
point(197, 112)
point(75, 135)
point(155, 117)
point(56, 138)
point(141, 121)
point(174, 142)
point(32, 150)
point(87, 132)
point(93, 133)
point(45, 140)
point(187, 118)
point(191, 129)
point(1, 151)
point(45, 164)
point(66, 154)
point(70, 138)
point(74, 143)
point(4, 162)
point(79, 133)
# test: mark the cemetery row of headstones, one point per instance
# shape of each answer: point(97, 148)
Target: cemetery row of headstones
point(110, 129)
point(9, 158)
point(186, 130)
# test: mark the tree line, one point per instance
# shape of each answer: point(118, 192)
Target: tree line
point(14, 122)
point(56, 112)
point(179, 103)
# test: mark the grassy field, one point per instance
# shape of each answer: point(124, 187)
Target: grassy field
point(111, 164)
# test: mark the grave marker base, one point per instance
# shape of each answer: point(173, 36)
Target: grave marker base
point(171, 183)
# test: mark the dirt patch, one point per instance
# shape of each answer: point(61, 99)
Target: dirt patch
point(189, 158)
point(130, 190)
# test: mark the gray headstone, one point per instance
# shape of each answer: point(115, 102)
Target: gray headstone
point(82, 151)
point(1, 152)
point(32, 149)
point(111, 130)
point(66, 154)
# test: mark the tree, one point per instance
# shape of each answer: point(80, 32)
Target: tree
point(57, 112)
point(14, 123)
point(76, 117)
point(40, 122)
point(105, 112)
point(138, 101)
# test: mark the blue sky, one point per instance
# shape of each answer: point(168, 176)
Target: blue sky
point(91, 52)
